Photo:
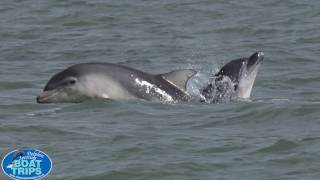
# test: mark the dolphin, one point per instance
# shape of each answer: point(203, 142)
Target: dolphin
point(234, 80)
point(112, 81)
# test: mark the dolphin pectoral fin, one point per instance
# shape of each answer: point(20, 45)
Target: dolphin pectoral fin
point(179, 78)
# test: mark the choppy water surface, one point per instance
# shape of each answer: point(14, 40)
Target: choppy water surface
point(276, 136)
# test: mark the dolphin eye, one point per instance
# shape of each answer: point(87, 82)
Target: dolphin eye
point(68, 82)
point(72, 81)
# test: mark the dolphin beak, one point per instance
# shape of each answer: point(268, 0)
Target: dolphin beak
point(255, 58)
point(260, 56)
point(44, 97)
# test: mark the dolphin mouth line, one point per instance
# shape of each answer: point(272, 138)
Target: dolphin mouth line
point(46, 95)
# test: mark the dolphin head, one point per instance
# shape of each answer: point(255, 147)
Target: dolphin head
point(242, 73)
point(235, 79)
point(248, 74)
point(65, 86)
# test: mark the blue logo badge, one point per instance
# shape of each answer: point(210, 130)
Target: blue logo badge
point(26, 164)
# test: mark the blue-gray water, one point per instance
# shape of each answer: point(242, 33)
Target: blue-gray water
point(276, 136)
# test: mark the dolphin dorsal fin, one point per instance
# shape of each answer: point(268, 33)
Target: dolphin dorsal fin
point(179, 78)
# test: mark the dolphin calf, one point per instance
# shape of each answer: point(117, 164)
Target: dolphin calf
point(234, 80)
point(104, 80)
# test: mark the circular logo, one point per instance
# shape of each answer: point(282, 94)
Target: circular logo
point(26, 164)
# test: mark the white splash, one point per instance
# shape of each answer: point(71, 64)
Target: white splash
point(151, 87)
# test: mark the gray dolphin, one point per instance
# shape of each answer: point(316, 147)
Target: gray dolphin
point(104, 80)
point(234, 80)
